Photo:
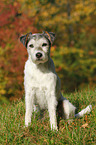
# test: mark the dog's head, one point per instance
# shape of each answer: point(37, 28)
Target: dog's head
point(38, 45)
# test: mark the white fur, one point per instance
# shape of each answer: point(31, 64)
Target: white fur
point(87, 110)
point(42, 84)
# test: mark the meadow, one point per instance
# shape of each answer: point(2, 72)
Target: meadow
point(79, 131)
point(74, 55)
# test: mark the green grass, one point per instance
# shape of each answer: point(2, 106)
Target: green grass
point(78, 132)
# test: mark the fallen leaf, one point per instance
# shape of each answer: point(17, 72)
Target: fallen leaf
point(84, 125)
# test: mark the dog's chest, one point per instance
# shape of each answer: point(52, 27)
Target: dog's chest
point(41, 83)
point(40, 97)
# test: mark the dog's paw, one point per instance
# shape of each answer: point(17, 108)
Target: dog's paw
point(54, 128)
point(87, 110)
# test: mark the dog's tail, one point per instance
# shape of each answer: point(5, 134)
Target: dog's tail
point(87, 110)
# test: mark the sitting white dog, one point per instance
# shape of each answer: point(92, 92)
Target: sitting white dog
point(42, 84)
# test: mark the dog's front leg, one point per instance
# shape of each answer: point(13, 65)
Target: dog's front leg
point(29, 101)
point(52, 104)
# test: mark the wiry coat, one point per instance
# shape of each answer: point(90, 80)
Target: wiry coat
point(41, 82)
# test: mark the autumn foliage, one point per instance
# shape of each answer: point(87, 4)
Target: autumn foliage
point(74, 50)
point(12, 54)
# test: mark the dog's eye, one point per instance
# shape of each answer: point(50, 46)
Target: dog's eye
point(44, 44)
point(31, 45)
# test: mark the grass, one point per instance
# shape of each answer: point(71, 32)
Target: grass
point(78, 132)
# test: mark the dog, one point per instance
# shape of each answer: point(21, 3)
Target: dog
point(41, 82)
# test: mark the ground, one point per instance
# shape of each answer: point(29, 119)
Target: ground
point(79, 131)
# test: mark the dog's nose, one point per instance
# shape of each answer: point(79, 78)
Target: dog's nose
point(38, 55)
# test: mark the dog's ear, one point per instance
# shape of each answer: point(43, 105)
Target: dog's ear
point(50, 36)
point(24, 39)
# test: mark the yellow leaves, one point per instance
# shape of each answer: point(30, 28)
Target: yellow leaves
point(67, 50)
point(2, 92)
point(53, 49)
point(2, 87)
point(64, 50)
point(15, 4)
point(3, 100)
point(53, 10)
point(88, 10)
point(57, 19)
point(80, 5)
point(45, 14)
point(84, 8)
point(3, 82)
point(10, 91)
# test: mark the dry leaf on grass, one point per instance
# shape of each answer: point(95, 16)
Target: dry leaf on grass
point(85, 125)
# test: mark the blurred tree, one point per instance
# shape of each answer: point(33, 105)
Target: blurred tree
point(74, 49)
point(13, 23)
point(74, 23)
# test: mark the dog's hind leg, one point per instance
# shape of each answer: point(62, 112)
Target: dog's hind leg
point(69, 109)
point(87, 110)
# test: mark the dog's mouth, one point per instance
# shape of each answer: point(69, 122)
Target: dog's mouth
point(41, 60)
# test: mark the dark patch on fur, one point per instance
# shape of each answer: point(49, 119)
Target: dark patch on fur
point(26, 38)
